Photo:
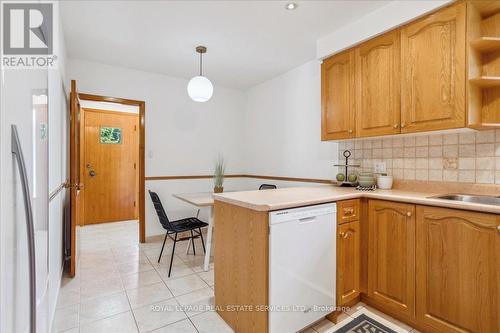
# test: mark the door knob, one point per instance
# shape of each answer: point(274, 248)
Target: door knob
point(92, 173)
point(395, 126)
point(403, 125)
point(408, 214)
point(350, 131)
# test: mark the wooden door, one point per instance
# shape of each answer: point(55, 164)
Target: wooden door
point(391, 255)
point(110, 166)
point(378, 86)
point(348, 262)
point(433, 71)
point(337, 97)
point(458, 270)
point(74, 173)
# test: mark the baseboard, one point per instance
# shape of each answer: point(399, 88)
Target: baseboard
point(53, 310)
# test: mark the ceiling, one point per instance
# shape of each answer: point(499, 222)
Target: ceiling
point(248, 41)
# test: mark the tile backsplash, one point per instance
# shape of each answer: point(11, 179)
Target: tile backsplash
point(468, 157)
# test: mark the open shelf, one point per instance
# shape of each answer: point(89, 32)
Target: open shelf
point(487, 7)
point(486, 44)
point(486, 81)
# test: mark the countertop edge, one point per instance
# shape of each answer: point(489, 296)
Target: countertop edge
point(407, 198)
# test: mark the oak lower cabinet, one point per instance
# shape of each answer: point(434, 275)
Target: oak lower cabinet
point(433, 71)
point(337, 97)
point(391, 256)
point(457, 270)
point(348, 262)
point(378, 86)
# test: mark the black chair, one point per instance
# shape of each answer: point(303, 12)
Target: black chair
point(267, 187)
point(174, 227)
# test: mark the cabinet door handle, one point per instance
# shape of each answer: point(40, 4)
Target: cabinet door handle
point(498, 228)
point(350, 131)
point(403, 125)
point(408, 214)
point(395, 126)
point(344, 235)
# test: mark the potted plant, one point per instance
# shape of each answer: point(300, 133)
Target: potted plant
point(219, 175)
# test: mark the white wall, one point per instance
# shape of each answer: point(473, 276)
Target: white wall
point(282, 127)
point(383, 19)
point(182, 137)
point(58, 167)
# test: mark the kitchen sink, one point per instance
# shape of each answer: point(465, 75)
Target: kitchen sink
point(479, 199)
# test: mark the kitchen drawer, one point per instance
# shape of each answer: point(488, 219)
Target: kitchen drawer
point(347, 211)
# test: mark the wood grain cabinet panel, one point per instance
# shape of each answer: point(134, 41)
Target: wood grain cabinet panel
point(337, 97)
point(433, 71)
point(348, 262)
point(391, 256)
point(458, 270)
point(378, 86)
point(242, 262)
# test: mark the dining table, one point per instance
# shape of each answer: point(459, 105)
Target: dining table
point(202, 200)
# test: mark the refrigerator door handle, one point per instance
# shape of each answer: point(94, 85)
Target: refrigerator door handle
point(17, 151)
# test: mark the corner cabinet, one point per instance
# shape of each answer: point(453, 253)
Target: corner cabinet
point(458, 270)
point(391, 256)
point(378, 86)
point(433, 71)
point(337, 97)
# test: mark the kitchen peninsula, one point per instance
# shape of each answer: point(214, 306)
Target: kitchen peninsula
point(389, 243)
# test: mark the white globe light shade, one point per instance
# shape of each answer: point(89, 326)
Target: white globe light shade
point(200, 89)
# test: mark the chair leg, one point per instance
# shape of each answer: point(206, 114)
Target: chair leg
point(172, 257)
point(192, 240)
point(166, 235)
point(202, 241)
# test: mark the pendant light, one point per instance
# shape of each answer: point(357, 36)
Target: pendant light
point(199, 88)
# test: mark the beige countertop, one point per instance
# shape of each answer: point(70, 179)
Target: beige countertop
point(290, 197)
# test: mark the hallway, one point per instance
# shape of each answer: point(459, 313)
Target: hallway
point(121, 288)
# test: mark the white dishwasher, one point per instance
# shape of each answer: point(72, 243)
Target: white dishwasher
point(302, 266)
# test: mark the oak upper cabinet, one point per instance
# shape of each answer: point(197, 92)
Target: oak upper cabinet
point(337, 97)
point(458, 270)
point(348, 262)
point(433, 71)
point(391, 256)
point(378, 86)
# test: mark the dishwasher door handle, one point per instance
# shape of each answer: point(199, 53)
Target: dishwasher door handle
point(307, 220)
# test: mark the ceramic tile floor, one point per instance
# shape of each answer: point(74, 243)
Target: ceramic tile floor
point(120, 288)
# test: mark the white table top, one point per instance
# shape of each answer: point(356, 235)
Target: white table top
point(200, 199)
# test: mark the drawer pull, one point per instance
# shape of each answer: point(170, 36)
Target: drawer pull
point(348, 211)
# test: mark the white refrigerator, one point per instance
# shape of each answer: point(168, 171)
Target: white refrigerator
point(24, 201)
